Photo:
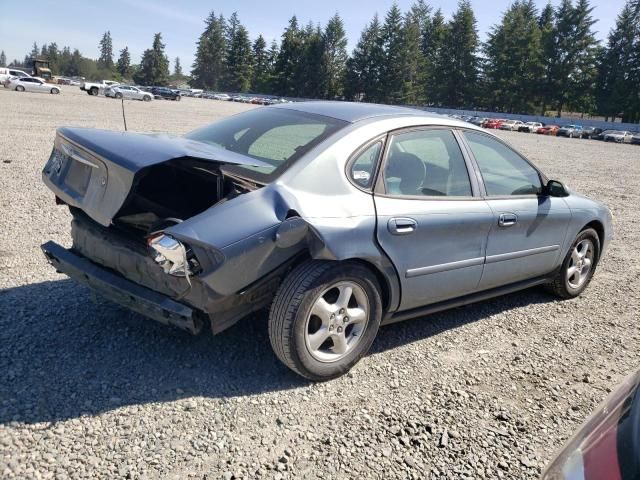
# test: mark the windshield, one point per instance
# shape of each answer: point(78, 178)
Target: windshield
point(273, 135)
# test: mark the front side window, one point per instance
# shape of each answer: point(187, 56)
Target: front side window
point(426, 163)
point(504, 171)
point(276, 136)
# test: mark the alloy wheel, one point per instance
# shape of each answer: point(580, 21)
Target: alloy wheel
point(337, 321)
point(580, 264)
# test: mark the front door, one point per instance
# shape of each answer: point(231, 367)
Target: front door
point(432, 222)
point(528, 228)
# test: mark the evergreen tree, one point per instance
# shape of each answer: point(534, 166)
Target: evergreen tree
point(574, 72)
point(177, 68)
point(513, 59)
point(34, 51)
point(310, 68)
point(123, 66)
point(3, 59)
point(208, 67)
point(393, 39)
point(53, 56)
point(334, 57)
point(261, 67)
point(287, 71)
point(105, 60)
point(618, 67)
point(239, 58)
point(413, 58)
point(460, 61)
point(364, 68)
point(154, 66)
point(434, 44)
point(550, 55)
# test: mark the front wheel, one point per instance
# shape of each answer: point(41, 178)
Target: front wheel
point(578, 267)
point(55, 91)
point(118, 95)
point(177, 99)
point(19, 88)
point(94, 91)
point(325, 317)
point(146, 98)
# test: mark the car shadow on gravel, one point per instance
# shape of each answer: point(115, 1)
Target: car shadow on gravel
point(63, 356)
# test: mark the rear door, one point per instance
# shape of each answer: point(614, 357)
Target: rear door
point(432, 222)
point(528, 228)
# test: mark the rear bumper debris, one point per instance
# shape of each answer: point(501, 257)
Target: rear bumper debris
point(147, 302)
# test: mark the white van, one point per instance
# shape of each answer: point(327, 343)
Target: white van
point(11, 72)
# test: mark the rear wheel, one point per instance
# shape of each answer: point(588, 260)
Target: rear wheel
point(20, 88)
point(324, 318)
point(94, 91)
point(578, 267)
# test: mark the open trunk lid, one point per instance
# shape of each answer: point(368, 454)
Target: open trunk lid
point(95, 170)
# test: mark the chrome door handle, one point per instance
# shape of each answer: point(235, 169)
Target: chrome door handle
point(402, 226)
point(507, 219)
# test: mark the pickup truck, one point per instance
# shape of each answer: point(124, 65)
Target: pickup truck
point(96, 88)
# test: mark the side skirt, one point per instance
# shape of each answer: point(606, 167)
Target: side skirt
point(465, 300)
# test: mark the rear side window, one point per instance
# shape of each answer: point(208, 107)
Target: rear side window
point(363, 167)
point(504, 171)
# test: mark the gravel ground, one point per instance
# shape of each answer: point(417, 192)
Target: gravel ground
point(90, 390)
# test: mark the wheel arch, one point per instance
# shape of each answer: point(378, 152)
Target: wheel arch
point(599, 228)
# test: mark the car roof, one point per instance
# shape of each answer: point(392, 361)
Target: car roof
point(354, 112)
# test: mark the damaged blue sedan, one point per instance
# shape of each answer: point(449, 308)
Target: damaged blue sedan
point(340, 217)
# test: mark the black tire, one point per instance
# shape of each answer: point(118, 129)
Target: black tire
point(293, 303)
point(94, 91)
point(146, 98)
point(118, 95)
point(55, 91)
point(19, 88)
point(560, 284)
point(177, 99)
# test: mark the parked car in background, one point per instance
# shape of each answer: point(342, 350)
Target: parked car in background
point(478, 121)
point(164, 92)
point(32, 84)
point(7, 72)
point(222, 96)
point(590, 132)
point(494, 123)
point(231, 218)
point(96, 88)
point(618, 136)
point(607, 446)
point(635, 139)
point(570, 131)
point(128, 92)
point(530, 127)
point(510, 125)
point(548, 130)
point(600, 136)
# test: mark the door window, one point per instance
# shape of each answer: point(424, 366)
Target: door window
point(504, 171)
point(364, 165)
point(426, 163)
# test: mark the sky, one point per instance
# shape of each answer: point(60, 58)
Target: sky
point(80, 24)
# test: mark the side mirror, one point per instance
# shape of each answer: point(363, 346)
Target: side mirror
point(555, 188)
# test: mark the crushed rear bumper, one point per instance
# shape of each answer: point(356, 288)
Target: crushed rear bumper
point(140, 299)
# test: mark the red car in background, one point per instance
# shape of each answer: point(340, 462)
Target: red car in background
point(607, 447)
point(494, 123)
point(548, 130)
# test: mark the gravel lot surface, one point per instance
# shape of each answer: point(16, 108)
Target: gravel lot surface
point(90, 390)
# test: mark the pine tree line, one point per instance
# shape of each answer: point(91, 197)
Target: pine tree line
point(532, 62)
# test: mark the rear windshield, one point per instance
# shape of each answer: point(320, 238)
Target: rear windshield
point(276, 136)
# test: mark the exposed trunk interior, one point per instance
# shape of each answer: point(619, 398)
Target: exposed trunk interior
point(175, 191)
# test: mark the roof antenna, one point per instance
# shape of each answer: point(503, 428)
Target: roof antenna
point(123, 116)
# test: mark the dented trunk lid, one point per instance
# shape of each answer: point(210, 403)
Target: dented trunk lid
point(95, 170)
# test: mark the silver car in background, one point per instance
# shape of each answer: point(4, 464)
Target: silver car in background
point(340, 217)
point(32, 84)
point(128, 92)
